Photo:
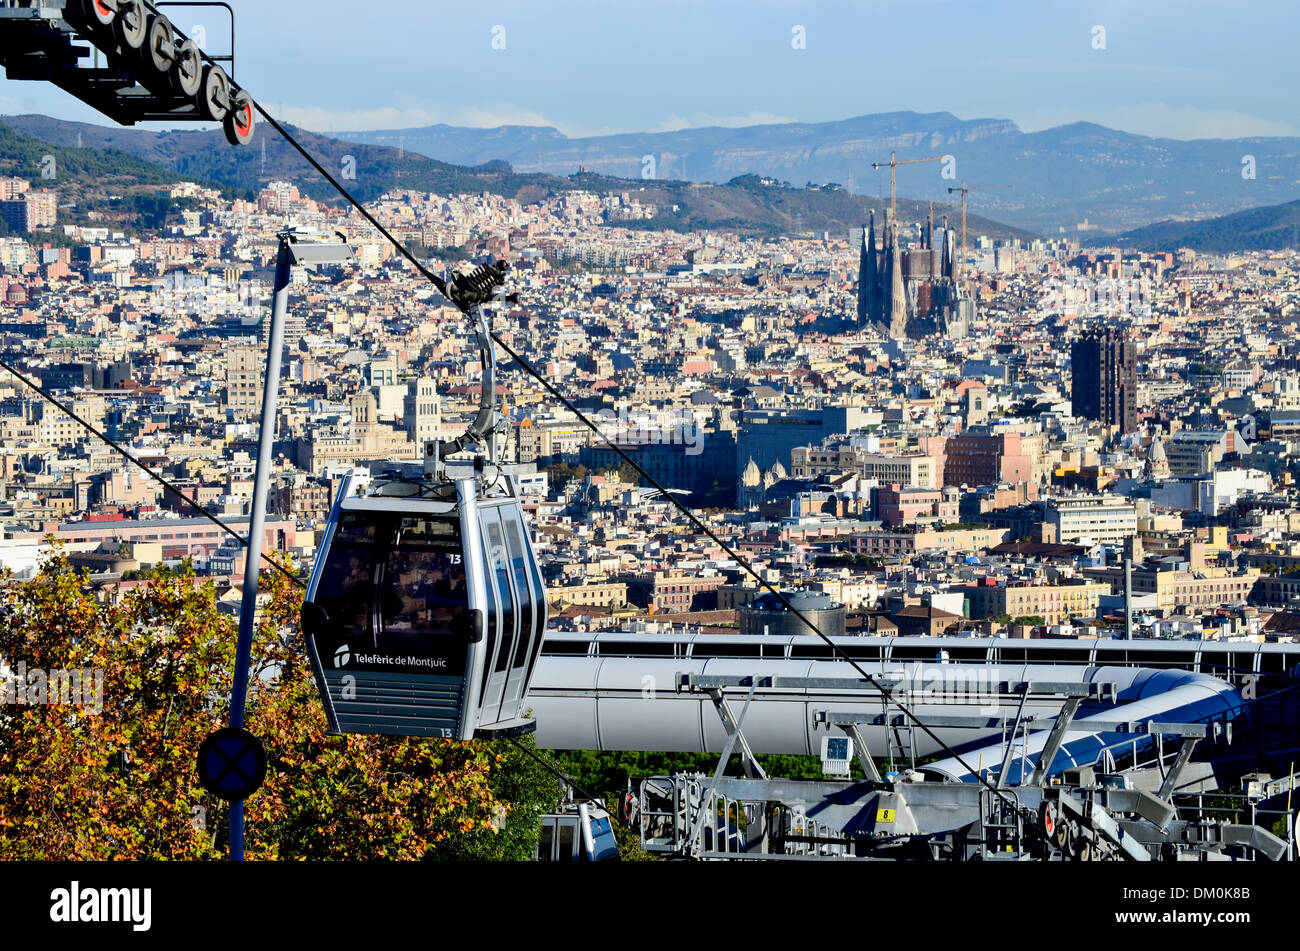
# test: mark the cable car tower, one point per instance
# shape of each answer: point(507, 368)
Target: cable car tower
point(425, 611)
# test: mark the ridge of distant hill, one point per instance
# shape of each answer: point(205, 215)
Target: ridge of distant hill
point(367, 171)
point(1269, 228)
point(1063, 176)
point(103, 186)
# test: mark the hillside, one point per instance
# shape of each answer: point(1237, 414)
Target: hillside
point(1257, 229)
point(101, 186)
point(1063, 176)
point(744, 206)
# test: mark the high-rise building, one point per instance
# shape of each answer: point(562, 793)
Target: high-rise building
point(421, 411)
point(14, 189)
point(244, 381)
point(1104, 378)
point(25, 210)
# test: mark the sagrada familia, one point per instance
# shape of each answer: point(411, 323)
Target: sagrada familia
point(910, 293)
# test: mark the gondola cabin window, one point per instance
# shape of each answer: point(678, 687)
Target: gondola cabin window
point(395, 584)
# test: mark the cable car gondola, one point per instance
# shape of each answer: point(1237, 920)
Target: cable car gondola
point(577, 832)
point(425, 611)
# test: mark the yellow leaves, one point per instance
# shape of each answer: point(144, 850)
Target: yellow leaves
point(167, 652)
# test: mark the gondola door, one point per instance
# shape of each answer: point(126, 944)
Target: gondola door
point(500, 644)
point(531, 610)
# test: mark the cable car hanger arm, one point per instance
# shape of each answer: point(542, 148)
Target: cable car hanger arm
point(470, 292)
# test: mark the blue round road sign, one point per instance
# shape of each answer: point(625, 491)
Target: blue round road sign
point(232, 764)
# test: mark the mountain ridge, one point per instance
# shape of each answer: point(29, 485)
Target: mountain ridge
point(1266, 228)
point(377, 169)
point(1064, 175)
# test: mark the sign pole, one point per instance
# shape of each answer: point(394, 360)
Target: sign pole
point(257, 521)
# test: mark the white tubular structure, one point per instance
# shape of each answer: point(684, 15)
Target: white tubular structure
point(1163, 696)
point(632, 703)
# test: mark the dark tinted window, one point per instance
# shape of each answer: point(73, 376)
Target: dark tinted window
point(723, 649)
point(1216, 663)
point(567, 830)
point(810, 650)
point(556, 646)
point(1057, 655)
point(634, 648)
point(1272, 662)
point(919, 652)
point(397, 580)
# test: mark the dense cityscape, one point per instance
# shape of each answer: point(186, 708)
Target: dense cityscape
point(936, 444)
point(472, 444)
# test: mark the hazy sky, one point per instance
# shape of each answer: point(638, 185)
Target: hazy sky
point(1178, 68)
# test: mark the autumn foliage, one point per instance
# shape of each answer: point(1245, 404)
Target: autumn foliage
point(122, 784)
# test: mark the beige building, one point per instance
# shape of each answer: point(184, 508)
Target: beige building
point(244, 381)
point(1188, 592)
point(1053, 603)
point(1090, 519)
point(421, 412)
point(916, 469)
point(542, 438)
point(367, 438)
point(608, 594)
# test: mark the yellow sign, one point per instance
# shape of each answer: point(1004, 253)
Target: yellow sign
point(885, 815)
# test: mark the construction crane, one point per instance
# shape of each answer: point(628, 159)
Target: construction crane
point(961, 264)
point(893, 163)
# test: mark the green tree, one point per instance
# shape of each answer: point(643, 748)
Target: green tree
point(1032, 620)
point(530, 789)
point(623, 472)
point(561, 473)
point(120, 783)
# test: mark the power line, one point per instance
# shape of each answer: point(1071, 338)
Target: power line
point(126, 454)
point(564, 778)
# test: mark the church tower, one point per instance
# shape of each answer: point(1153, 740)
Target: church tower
point(897, 295)
point(1157, 463)
point(751, 491)
point(868, 276)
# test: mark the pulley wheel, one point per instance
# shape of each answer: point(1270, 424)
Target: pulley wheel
point(132, 23)
point(214, 98)
point(239, 121)
point(98, 11)
point(187, 71)
point(161, 44)
point(1072, 841)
